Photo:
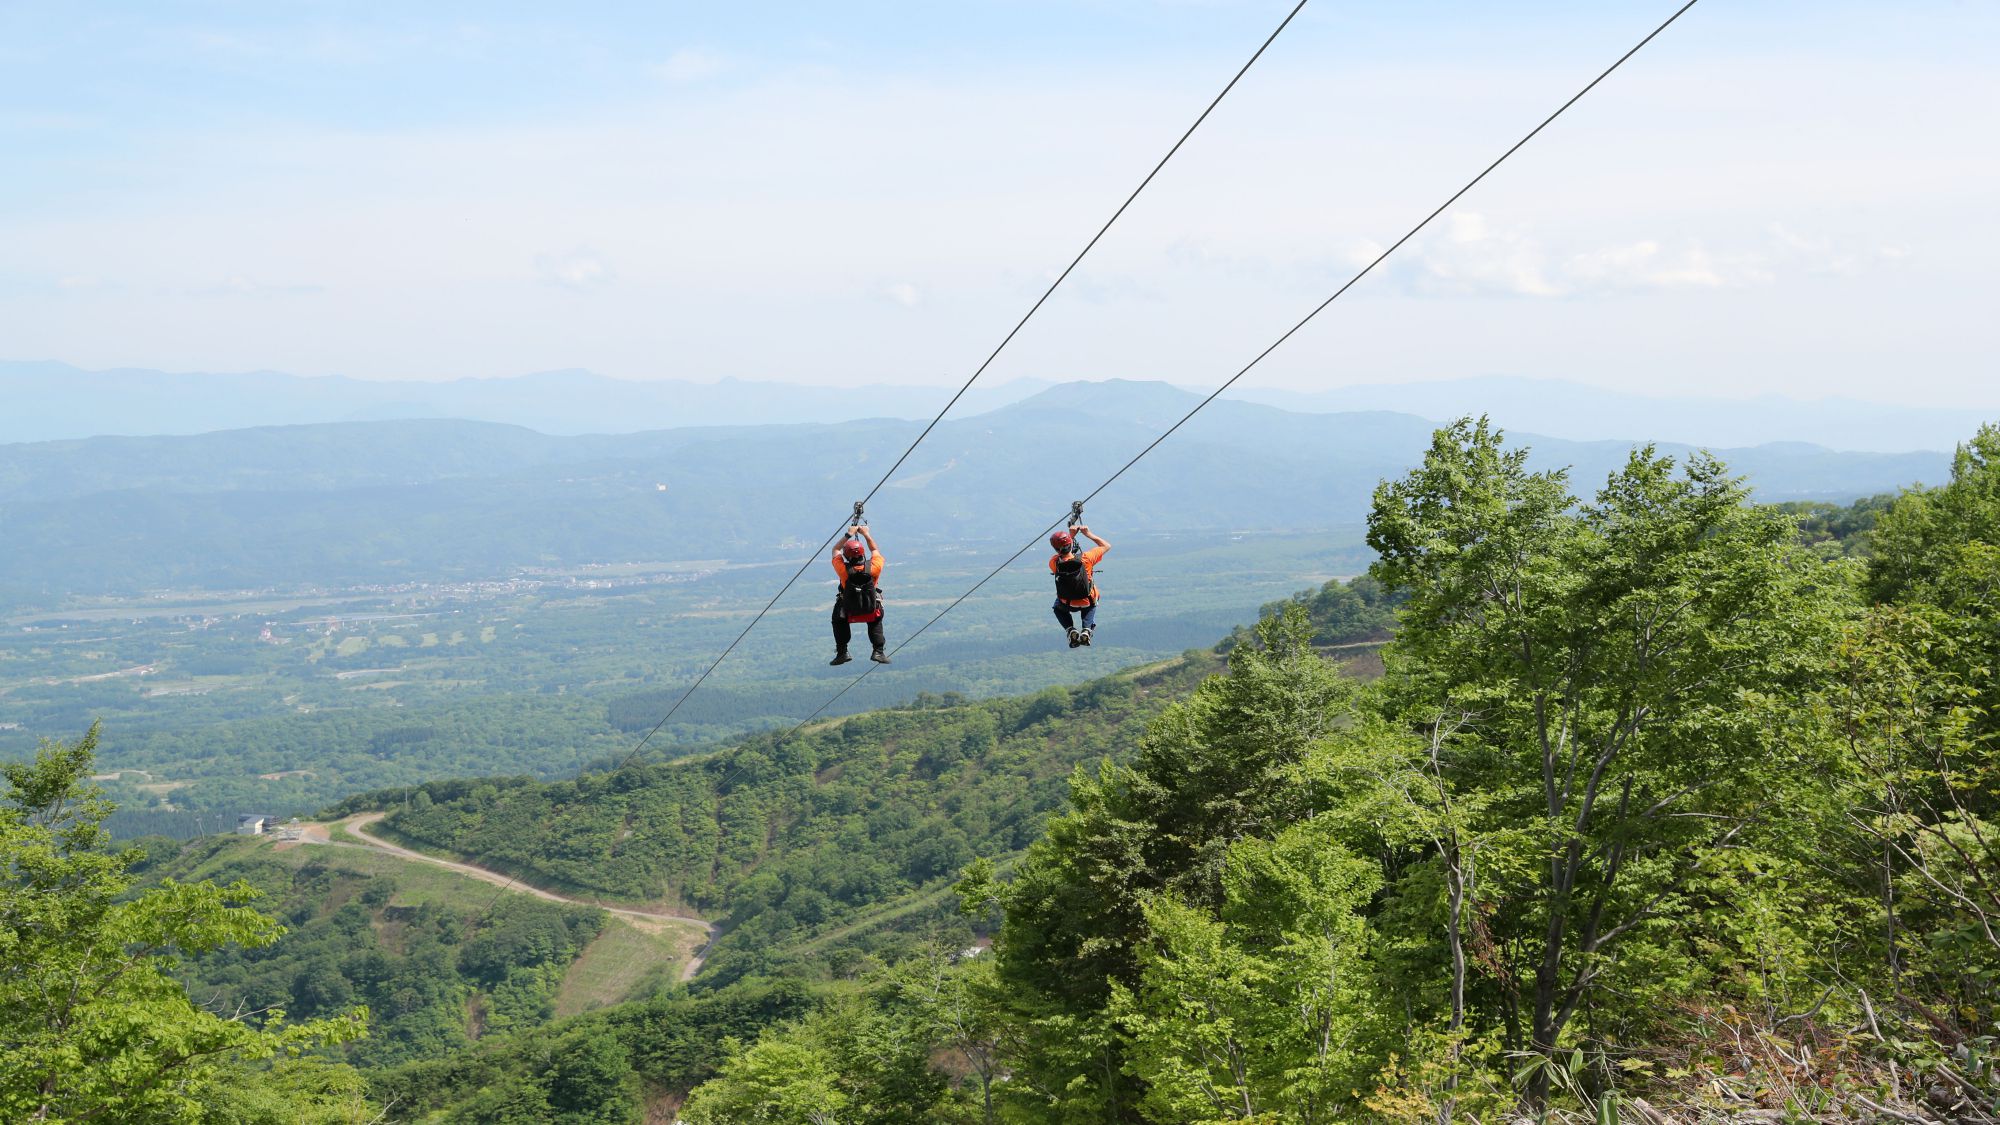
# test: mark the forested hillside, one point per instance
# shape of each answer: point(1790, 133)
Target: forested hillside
point(1664, 806)
point(780, 837)
point(1655, 812)
point(437, 960)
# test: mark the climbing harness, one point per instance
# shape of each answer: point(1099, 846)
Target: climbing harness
point(1072, 578)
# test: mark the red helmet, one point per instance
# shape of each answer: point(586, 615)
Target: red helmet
point(854, 550)
point(1062, 541)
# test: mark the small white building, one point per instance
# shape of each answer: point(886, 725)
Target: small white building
point(254, 824)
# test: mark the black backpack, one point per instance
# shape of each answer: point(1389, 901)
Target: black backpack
point(1072, 581)
point(858, 595)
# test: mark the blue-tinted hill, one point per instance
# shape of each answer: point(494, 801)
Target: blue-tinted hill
point(421, 500)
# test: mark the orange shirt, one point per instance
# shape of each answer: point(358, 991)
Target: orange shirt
point(840, 567)
point(1090, 558)
point(874, 572)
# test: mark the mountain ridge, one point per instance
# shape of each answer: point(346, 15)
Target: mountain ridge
point(50, 400)
point(1580, 411)
point(419, 500)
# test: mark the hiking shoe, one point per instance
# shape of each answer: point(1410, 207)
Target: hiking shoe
point(1084, 637)
point(879, 657)
point(840, 657)
point(1074, 638)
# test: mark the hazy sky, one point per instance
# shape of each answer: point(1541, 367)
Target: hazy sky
point(1793, 196)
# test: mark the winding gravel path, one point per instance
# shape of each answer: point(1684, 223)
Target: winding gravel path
point(651, 920)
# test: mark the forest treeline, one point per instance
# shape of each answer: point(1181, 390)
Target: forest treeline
point(1658, 809)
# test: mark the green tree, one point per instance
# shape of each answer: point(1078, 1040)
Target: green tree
point(303, 1091)
point(1922, 803)
point(93, 1024)
point(958, 1004)
point(1215, 767)
point(774, 1082)
point(590, 1079)
point(1928, 534)
point(1389, 789)
point(516, 1099)
point(1622, 664)
point(1265, 1007)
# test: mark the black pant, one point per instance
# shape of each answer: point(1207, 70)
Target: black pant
point(843, 631)
point(1067, 614)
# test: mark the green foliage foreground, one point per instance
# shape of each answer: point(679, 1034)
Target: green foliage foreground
point(1654, 802)
point(93, 1025)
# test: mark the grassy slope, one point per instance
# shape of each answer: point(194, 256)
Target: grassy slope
point(627, 961)
point(416, 883)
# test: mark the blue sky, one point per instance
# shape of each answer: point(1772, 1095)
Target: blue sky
point(1788, 197)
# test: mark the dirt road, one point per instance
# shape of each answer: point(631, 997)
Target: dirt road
point(651, 920)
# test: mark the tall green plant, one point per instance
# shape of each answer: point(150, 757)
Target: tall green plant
point(1267, 1007)
point(1216, 767)
point(93, 1024)
point(1617, 664)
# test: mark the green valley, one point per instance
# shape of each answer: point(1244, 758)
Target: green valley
point(1312, 873)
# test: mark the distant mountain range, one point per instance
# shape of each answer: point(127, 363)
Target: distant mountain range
point(50, 401)
point(428, 500)
point(1585, 413)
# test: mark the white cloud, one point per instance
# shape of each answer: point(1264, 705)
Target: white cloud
point(1362, 253)
point(822, 194)
point(238, 285)
point(573, 269)
point(1473, 255)
point(1823, 256)
point(689, 65)
point(1647, 265)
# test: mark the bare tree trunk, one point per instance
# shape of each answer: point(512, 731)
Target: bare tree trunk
point(1889, 916)
point(1457, 877)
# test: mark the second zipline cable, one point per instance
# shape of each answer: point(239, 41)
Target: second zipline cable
point(1275, 345)
point(967, 385)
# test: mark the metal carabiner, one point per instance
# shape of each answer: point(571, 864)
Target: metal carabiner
point(859, 520)
point(1075, 512)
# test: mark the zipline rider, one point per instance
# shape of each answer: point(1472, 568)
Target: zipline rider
point(1076, 580)
point(859, 600)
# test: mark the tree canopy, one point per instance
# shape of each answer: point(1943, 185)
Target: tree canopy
point(93, 1023)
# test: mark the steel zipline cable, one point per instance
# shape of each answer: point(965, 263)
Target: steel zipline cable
point(1293, 331)
point(735, 770)
point(967, 385)
point(960, 393)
